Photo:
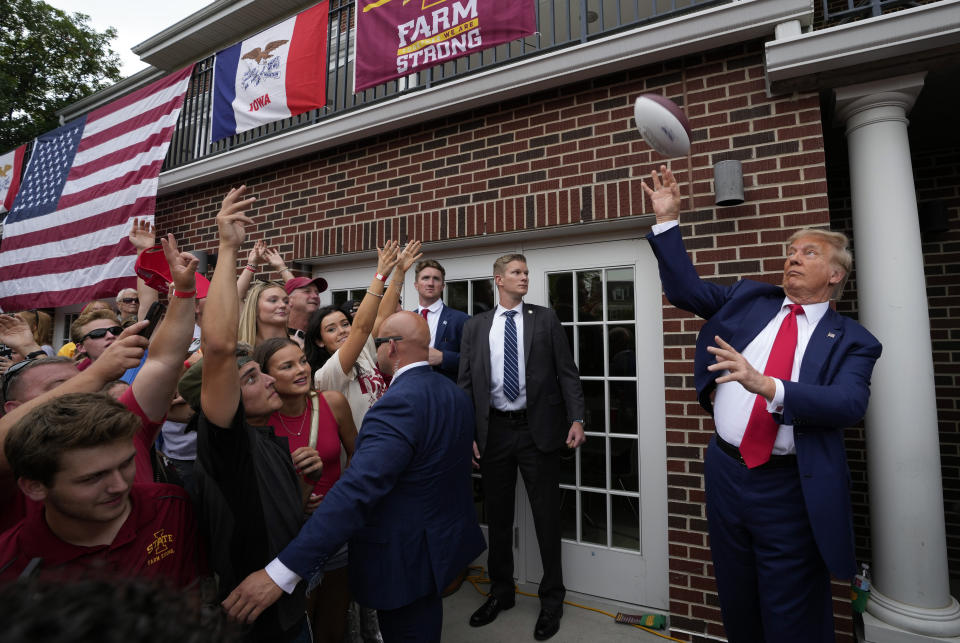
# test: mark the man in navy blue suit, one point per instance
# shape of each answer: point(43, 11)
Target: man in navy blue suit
point(405, 502)
point(778, 502)
point(446, 324)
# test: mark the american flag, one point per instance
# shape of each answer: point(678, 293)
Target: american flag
point(65, 240)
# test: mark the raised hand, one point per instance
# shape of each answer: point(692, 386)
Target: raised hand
point(664, 196)
point(125, 352)
point(142, 234)
point(16, 333)
point(275, 260)
point(231, 220)
point(387, 257)
point(183, 265)
point(255, 257)
point(409, 255)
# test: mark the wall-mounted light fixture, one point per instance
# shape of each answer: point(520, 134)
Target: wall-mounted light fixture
point(728, 182)
point(204, 258)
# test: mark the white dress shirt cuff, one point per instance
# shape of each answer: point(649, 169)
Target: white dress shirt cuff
point(658, 228)
point(282, 575)
point(776, 404)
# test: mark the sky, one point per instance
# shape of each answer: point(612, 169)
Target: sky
point(134, 21)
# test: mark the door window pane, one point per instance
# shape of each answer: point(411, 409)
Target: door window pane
point(593, 463)
point(593, 517)
point(625, 522)
point(560, 289)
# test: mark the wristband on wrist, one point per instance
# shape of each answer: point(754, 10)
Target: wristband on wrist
point(250, 267)
point(380, 277)
point(185, 294)
point(36, 354)
point(370, 292)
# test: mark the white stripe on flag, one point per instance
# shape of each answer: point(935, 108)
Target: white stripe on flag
point(112, 172)
point(70, 246)
point(82, 211)
point(53, 282)
point(143, 105)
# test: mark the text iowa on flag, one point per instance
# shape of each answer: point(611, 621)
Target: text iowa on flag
point(278, 73)
point(10, 164)
point(65, 240)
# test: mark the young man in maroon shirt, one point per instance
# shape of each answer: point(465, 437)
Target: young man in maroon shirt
point(76, 455)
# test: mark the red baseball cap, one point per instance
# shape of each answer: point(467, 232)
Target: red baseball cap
point(302, 282)
point(152, 267)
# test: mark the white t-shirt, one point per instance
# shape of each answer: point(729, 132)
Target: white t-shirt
point(362, 385)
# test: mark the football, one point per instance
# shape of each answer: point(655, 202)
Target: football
point(662, 125)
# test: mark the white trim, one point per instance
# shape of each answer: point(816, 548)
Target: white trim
point(689, 33)
point(896, 35)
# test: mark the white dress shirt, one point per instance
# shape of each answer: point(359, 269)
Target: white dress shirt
point(433, 318)
point(497, 398)
point(733, 404)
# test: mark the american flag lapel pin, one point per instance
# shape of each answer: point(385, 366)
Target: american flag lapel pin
point(831, 335)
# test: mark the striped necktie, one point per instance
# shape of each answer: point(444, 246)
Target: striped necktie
point(511, 372)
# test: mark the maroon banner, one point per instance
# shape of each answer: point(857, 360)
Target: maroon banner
point(398, 37)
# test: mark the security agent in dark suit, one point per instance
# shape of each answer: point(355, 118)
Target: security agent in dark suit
point(405, 502)
point(446, 324)
point(779, 516)
point(529, 407)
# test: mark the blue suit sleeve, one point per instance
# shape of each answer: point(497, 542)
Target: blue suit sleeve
point(681, 284)
point(839, 403)
point(383, 452)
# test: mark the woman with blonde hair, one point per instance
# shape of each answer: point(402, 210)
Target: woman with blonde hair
point(264, 313)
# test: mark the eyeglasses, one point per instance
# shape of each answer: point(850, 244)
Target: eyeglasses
point(12, 373)
point(99, 333)
point(378, 341)
point(130, 300)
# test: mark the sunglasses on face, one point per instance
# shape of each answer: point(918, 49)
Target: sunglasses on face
point(379, 341)
point(130, 300)
point(99, 333)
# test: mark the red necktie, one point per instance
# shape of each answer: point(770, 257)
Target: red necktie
point(423, 313)
point(761, 432)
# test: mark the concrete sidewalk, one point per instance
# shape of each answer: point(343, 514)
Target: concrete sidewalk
point(577, 626)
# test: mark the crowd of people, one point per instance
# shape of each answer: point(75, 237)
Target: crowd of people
point(305, 467)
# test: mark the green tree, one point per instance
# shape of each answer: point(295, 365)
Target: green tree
point(48, 59)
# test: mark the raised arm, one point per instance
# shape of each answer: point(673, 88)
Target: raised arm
point(364, 319)
point(155, 383)
point(277, 263)
point(16, 333)
point(143, 236)
point(255, 259)
point(388, 305)
point(220, 390)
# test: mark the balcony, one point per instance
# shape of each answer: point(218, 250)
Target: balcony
point(561, 24)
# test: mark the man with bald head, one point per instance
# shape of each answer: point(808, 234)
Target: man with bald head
point(405, 503)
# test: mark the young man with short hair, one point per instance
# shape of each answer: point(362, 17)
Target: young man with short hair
point(93, 332)
point(446, 324)
point(75, 455)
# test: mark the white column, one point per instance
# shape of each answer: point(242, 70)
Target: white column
point(910, 599)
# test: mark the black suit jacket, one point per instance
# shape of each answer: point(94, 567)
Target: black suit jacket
point(554, 394)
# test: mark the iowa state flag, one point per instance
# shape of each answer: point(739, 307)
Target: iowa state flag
point(10, 164)
point(278, 73)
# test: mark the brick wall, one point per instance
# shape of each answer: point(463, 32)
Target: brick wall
point(562, 157)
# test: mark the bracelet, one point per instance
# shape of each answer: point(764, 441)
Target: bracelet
point(250, 267)
point(370, 292)
point(380, 277)
point(185, 294)
point(36, 354)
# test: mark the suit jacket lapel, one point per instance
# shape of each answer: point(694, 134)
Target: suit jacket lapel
point(529, 319)
point(485, 321)
point(825, 337)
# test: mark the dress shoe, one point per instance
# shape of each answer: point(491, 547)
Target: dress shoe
point(548, 623)
point(489, 610)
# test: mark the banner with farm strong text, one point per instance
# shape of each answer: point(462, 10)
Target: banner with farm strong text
point(398, 37)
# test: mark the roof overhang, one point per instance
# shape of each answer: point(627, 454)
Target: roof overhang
point(915, 39)
point(217, 25)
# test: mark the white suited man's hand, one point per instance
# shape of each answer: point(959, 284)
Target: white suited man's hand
point(256, 593)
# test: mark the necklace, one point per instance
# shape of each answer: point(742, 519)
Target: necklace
point(303, 420)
